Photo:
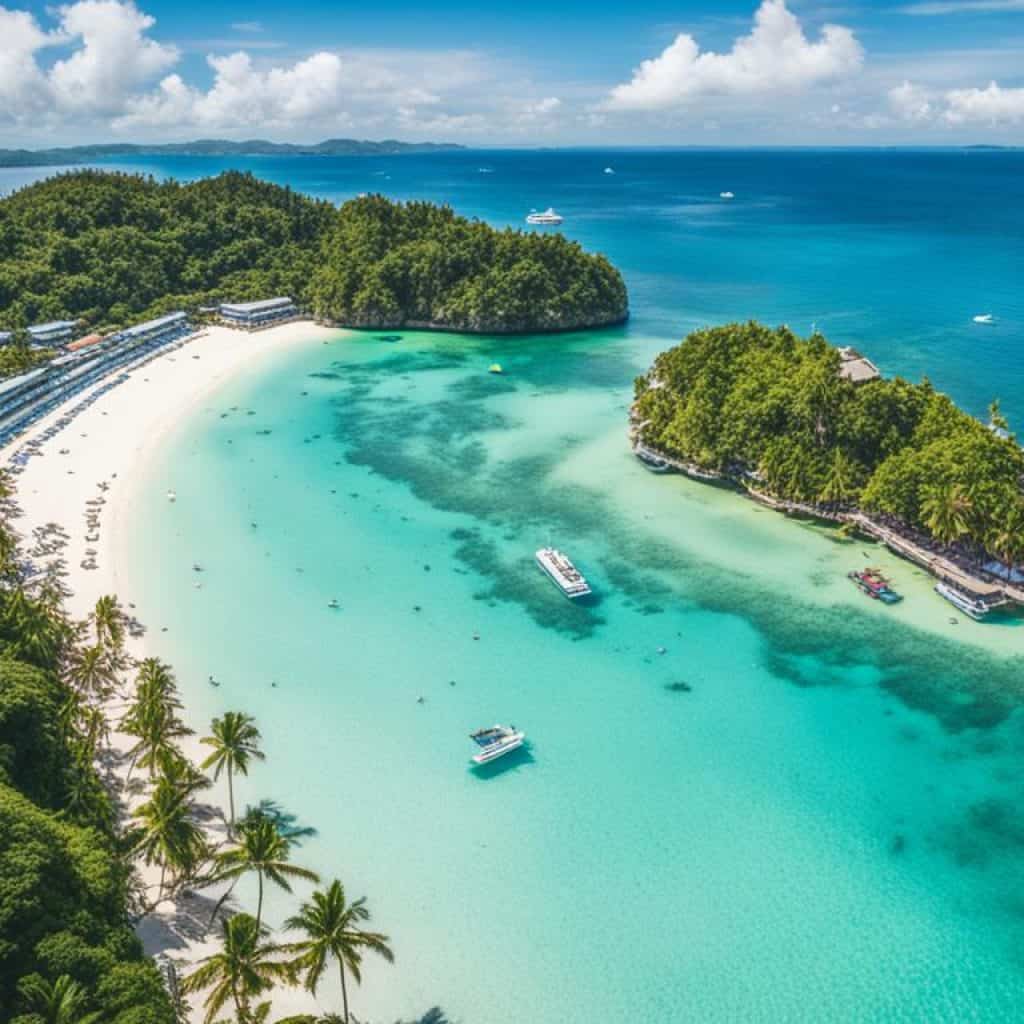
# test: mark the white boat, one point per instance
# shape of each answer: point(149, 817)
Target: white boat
point(547, 217)
point(565, 575)
point(726, 195)
point(967, 603)
point(983, 318)
point(496, 742)
point(608, 170)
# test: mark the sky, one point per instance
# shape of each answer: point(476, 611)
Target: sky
point(533, 73)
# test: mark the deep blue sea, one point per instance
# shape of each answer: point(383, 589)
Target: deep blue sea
point(750, 794)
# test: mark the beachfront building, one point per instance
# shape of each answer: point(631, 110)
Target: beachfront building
point(52, 334)
point(251, 316)
point(30, 396)
point(856, 367)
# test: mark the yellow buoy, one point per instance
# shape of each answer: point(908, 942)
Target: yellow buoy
point(495, 368)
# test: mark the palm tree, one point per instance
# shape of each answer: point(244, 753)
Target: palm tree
point(946, 510)
point(91, 672)
point(1007, 539)
point(332, 929)
point(152, 716)
point(262, 849)
point(241, 971)
point(167, 835)
point(108, 621)
point(235, 740)
point(60, 1002)
point(839, 483)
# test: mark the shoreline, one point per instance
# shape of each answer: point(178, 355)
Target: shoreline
point(109, 442)
point(937, 563)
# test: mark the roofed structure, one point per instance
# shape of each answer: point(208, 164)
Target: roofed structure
point(855, 367)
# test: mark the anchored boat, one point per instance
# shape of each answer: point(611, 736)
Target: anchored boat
point(967, 603)
point(875, 585)
point(495, 742)
point(547, 217)
point(565, 575)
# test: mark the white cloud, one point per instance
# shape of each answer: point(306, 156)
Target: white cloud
point(911, 102)
point(111, 58)
point(992, 105)
point(935, 7)
point(775, 56)
point(114, 57)
point(540, 110)
point(244, 95)
point(23, 86)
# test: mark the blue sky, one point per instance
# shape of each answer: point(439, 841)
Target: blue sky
point(531, 73)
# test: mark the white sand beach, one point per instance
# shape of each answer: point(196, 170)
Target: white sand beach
point(108, 442)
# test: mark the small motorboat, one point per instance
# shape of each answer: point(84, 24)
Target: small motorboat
point(726, 195)
point(495, 368)
point(984, 318)
point(333, 603)
point(171, 496)
point(875, 585)
point(608, 170)
point(495, 742)
point(969, 604)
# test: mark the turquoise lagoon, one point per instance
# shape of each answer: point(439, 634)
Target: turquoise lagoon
point(825, 826)
point(808, 808)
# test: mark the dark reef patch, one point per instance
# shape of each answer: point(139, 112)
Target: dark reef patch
point(434, 448)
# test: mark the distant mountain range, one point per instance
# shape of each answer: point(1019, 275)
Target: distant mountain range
point(215, 147)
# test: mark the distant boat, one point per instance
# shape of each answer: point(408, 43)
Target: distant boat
point(171, 496)
point(726, 195)
point(608, 170)
point(547, 217)
point(485, 170)
point(563, 573)
point(496, 742)
point(495, 368)
point(983, 318)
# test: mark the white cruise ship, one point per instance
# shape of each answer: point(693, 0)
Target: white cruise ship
point(547, 217)
point(566, 576)
point(496, 742)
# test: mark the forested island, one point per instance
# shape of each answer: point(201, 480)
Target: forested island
point(110, 248)
point(775, 413)
point(65, 155)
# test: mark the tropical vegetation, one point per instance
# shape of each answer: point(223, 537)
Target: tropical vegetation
point(109, 248)
point(72, 845)
point(773, 410)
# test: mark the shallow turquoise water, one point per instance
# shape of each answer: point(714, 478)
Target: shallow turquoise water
point(825, 827)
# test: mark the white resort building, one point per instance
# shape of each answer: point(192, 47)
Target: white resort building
point(30, 396)
point(53, 334)
point(253, 315)
point(855, 367)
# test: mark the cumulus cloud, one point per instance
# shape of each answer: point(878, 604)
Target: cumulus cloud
point(775, 56)
point(112, 56)
point(23, 86)
point(993, 105)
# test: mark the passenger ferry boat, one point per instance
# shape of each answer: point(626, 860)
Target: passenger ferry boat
point(566, 576)
point(495, 742)
point(651, 459)
point(967, 603)
point(547, 217)
point(875, 585)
